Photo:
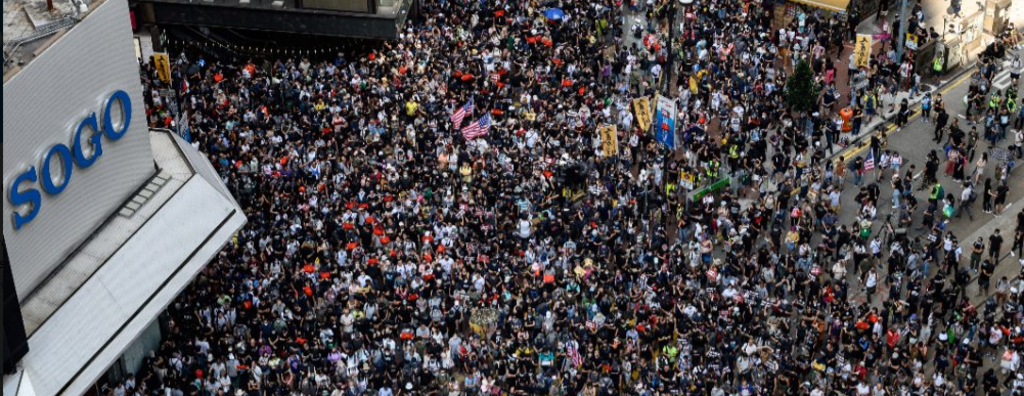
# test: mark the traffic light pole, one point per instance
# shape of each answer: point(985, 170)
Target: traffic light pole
point(902, 38)
point(671, 56)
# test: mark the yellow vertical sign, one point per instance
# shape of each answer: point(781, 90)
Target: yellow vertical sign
point(642, 109)
point(687, 180)
point(862, 50)
point(609, 140)
point(162, 63)
point(911, 42)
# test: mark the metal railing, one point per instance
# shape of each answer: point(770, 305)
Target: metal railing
point(11, 47)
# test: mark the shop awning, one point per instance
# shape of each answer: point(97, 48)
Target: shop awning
point(829, 5)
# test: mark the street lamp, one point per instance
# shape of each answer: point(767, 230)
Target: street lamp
point(902, 32)
point(671, 37)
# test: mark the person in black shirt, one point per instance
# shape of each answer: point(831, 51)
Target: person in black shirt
point(995, 242)
point(931, 167)
point(1018, 244)
point(941, 119)
point(903, 114)
point(977, 249)
point(956, 135)
point(990, 382)
point(985, 276)
point(857, 166)
point(1000, 200)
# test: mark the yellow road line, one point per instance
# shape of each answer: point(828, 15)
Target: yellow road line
point(915, 114)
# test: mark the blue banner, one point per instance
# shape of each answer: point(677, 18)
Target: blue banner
point(665, 122)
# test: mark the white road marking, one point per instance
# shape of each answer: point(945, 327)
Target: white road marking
point(1002, 80)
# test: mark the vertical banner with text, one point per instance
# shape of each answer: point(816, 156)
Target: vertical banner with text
point(163, 66)
point(642, 108)
point(862, 50)
point(609, 140)
point(665, 128)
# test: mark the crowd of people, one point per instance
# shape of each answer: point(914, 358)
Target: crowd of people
point(390, 253)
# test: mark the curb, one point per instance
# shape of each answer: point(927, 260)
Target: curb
point(915, 109)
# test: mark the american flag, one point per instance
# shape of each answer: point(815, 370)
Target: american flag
point(572, 349)
point(461, 113)
point(869, 163)
point(477, 129)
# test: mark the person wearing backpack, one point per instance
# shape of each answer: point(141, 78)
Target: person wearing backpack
point(937, 193)
point(926, 108)
point(870, 104)
point(857, 167)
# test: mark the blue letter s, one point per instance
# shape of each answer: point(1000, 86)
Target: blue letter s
point(28, 197)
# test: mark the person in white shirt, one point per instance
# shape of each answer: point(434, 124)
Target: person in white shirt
point(966, 200)
point(879, 390)
point(863, 389)
point(1016, 66)
point(870, 282)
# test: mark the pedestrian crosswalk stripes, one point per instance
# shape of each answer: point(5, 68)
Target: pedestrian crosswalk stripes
point(1002, 80)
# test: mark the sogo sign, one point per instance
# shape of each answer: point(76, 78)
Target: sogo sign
point(25, 198)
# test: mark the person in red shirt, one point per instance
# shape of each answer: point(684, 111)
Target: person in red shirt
point(892, 337)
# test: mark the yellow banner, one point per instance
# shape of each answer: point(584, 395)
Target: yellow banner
point(162, 64)
point(862, 50)
point(642, 109)
point(609, 140)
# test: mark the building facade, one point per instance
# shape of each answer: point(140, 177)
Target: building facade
point(105, 221)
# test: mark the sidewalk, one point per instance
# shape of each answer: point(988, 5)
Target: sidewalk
point(885, 119)
point(887, 115)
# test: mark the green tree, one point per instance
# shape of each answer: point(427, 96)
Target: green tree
point(801, 89)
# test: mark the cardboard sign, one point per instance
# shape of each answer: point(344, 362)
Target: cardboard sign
point(609, 140)
point(687, 180)
point(862, 50)
point(911, 42)
point(163, 66)
point(642, 110)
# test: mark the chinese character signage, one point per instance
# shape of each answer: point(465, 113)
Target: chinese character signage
point(862, 50)
point(642, 108)
point(609, 140)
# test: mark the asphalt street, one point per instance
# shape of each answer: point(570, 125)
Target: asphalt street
point(914, 142)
